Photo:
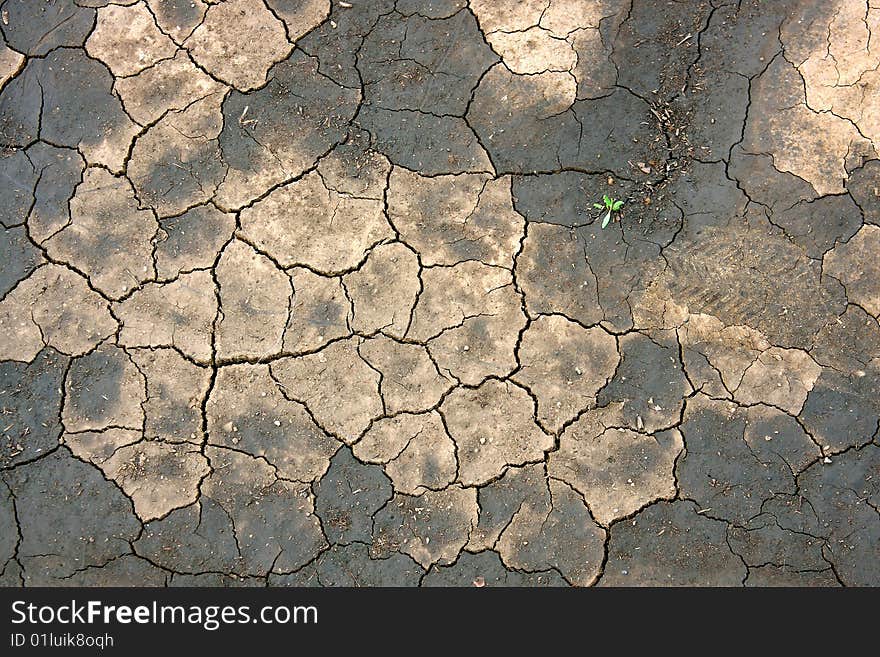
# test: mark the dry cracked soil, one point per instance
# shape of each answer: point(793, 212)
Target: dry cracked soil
point(295, 292)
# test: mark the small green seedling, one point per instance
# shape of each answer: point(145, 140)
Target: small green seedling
point(610, 206)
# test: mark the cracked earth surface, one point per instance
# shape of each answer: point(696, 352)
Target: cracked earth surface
point(301, 293)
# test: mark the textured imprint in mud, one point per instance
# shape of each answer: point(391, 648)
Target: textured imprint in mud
point(312, 293)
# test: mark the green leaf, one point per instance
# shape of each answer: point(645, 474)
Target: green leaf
point(617, 205)
point(607, 199)
point(598, 206)
point(606, 219)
